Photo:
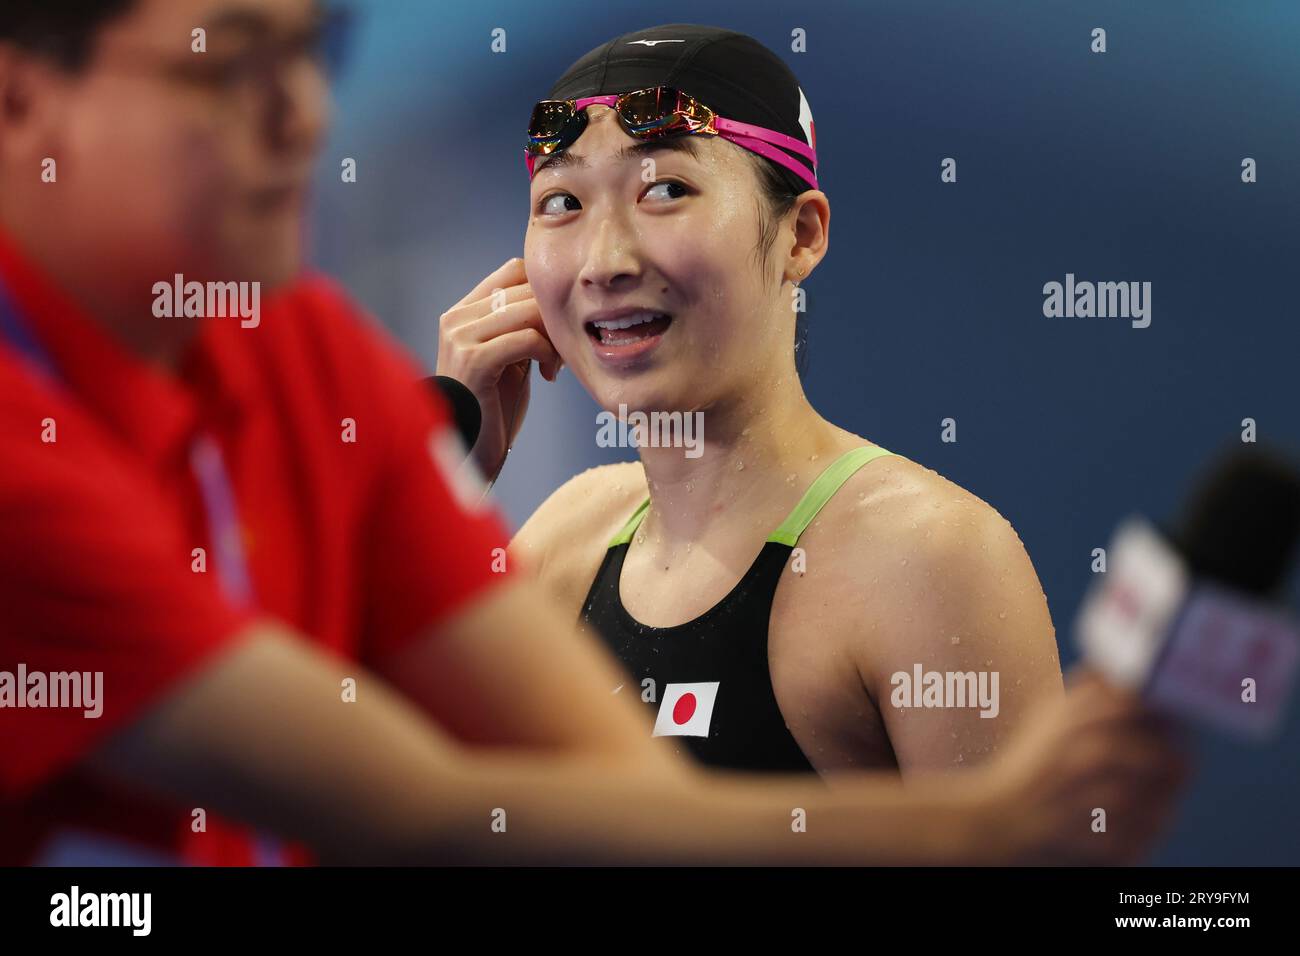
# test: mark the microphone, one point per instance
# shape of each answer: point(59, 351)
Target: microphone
point(465, 409)
point(1241, 523)
point(1189, 615)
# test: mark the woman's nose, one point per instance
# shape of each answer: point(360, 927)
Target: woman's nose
point(612, 252)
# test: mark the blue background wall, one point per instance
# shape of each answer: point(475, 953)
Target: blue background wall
point(1118, 166)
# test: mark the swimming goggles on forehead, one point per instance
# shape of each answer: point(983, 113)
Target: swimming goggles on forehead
point(658, 112)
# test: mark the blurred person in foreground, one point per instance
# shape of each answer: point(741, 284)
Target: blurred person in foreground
point(254, 531)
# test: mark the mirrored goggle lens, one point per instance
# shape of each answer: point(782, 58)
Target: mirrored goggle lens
point(662, 110)
point(547, 126)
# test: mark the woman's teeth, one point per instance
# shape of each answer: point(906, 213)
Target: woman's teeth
point(626, 322)
point(629, 329)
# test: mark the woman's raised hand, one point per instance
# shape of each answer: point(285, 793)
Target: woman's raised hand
point(487, 341)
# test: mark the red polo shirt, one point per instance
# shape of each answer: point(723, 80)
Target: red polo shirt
point(359, 545)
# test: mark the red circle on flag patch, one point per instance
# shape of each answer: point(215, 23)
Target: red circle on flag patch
point(684, 709)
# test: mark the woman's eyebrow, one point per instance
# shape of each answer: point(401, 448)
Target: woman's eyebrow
point(677, 144)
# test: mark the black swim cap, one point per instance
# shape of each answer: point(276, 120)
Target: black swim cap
point(731, 73)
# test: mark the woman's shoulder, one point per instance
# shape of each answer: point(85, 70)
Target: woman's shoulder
point(919, 568)
point(916, 534)
point(903, 499)
point(564, 540)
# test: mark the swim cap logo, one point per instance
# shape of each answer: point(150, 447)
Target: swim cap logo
point(806, 120)
point(651, 43)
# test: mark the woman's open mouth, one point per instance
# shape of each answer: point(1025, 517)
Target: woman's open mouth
point(629, 336)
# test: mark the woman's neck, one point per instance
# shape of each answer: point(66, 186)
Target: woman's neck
point(752, 448)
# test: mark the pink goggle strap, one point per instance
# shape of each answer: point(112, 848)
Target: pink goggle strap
point(757, 139)
point(771, 152)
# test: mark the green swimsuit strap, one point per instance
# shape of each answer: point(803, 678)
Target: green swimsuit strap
point(629, 529)
point(827, 483)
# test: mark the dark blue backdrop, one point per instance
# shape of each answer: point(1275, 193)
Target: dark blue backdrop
point(1117, 166)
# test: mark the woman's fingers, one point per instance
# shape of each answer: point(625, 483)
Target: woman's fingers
point(466, 313)
point(466, 329)
point(520, 311)
point(488, 341)
point(509, 273)
point(520, 344)
point(517, 313)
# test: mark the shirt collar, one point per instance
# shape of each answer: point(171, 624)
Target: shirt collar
point(152, 410)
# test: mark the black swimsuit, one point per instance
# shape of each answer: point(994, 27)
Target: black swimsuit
point(708, 681)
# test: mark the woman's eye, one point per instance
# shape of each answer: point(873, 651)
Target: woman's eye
point(547, 206)
point(669, 185)
point(558, 203)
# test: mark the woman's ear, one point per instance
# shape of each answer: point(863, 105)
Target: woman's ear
point(811, 222)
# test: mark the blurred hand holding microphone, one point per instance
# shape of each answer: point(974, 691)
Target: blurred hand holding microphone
point(1190, 617)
